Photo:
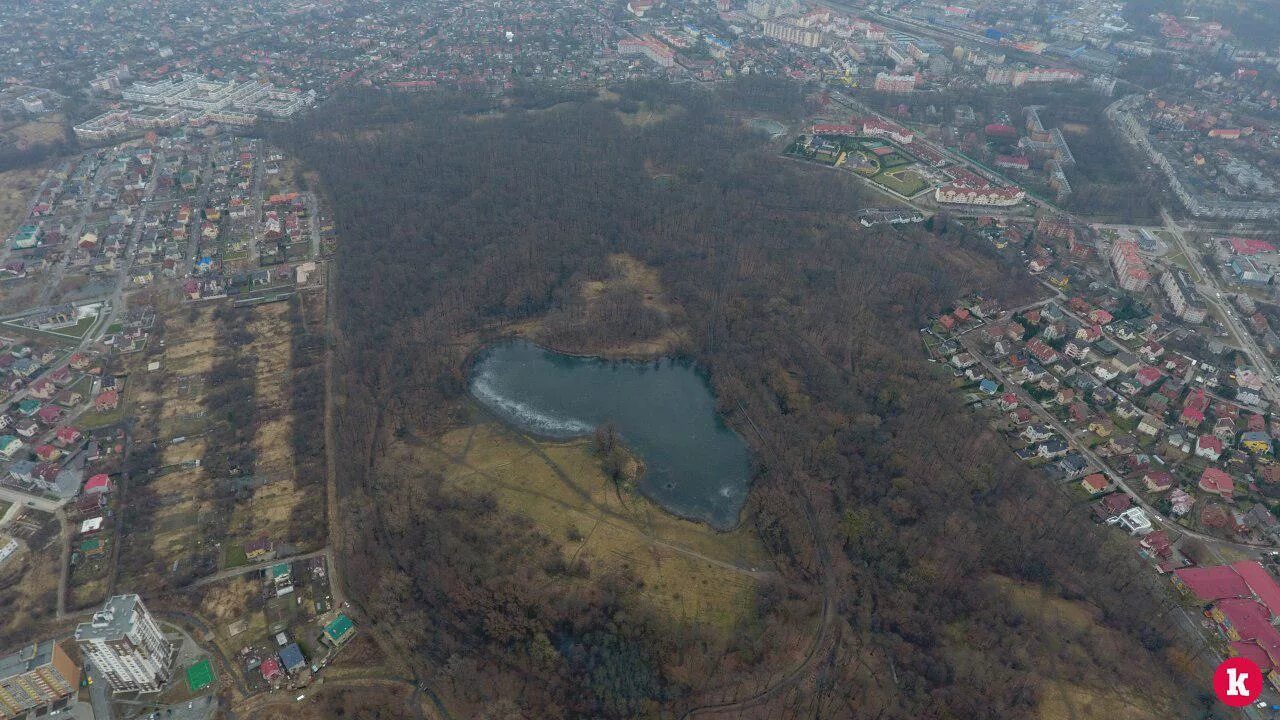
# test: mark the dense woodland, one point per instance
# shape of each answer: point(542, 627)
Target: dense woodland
point(876, 491)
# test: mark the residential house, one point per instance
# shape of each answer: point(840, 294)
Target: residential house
point(66, 436)
point(1052, 448)
point(1073, 465)
point(1105, 373)
point(1224, 429)
point(1158, 481)
point(1135, 521)
point(1208, 447)
point(42, 389)
point(27, 428)
point(1032, 433)
point(260, 548)
point(1180, 502)
point(107, 400)
point(1111, 506)
point(1256, 442)
point(9, 446)
point(1150, 425)
point(1095, 483)
point(1217, 482)
point(1261, 519)
point(1158, 544)
point(99, 484)
point(1077, 350)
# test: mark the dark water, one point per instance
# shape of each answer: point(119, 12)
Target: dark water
point(695, 465)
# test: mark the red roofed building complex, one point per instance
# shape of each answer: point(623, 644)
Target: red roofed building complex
point(892, 83)
point(1245, 600)
point(108, 400)
point(650, 47)
point(271, 669)
point(1013, 162)
point(963, 193)
point(1250, 246)
point(875, 127)
point(998, 130)
point(1131, 270)
point(1193, 410)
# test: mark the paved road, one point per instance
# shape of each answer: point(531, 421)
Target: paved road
point(259, 566)
point(1214, 294)
point(17, 497)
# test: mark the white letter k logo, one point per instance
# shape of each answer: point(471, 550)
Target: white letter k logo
point(1235, 682)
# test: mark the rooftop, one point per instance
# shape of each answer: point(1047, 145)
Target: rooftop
point(28, 658)
point(112, 621)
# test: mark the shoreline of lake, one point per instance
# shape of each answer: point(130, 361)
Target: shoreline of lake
point(664, 409)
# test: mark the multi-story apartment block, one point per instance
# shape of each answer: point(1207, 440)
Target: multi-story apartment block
point(1182, 296)
point(791, 33)
point(36, 678)
point(1131, 270)
point(124, 643)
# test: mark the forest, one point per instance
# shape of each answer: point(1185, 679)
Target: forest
point(906, 524)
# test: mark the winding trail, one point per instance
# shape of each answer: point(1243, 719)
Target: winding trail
point(827, 627)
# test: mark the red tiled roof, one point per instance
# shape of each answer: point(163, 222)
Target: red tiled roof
point(1213, 480)
point(1246, 579)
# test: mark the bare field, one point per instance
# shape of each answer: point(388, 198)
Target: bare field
point(29, 587)
point(691, 573)
point(17, 187)
point(189, 502)
point(46, 130)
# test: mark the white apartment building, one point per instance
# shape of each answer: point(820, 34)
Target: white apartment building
point(124, 643)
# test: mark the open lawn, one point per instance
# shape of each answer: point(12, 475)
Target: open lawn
point(690, 572)
point(903, 182)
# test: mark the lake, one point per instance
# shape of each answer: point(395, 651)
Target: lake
point(664, 411)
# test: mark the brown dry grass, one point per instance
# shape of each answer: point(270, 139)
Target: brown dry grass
point(17, 187)
point(1094, 696)
point(628, 273)
point(46, 130)
point(691, 573)
point(191, 352)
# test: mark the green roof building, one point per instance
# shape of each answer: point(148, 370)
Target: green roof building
point(339, 631)
point(28, 236)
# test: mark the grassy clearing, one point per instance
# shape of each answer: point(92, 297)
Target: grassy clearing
point(691, 572)
point(644, 117)
point(903, 182)
point(43, 131)
point(627, 273)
